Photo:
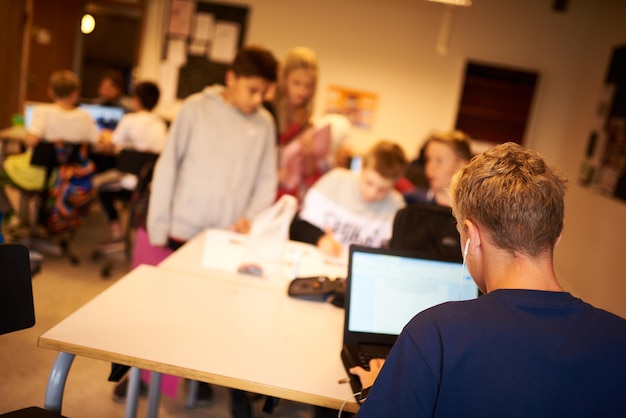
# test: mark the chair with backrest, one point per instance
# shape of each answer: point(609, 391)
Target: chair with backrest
point(139, 164)
point(53, 157)
point(427, 230)
point(17, 309)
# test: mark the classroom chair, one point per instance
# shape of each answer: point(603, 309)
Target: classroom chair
point(17, 309)
point(428, 230)
point(53, 157)
point(140, 164)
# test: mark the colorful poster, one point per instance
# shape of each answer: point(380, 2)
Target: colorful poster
point(357, 105)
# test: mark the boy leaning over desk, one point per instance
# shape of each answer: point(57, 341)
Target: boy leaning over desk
point(218, 167)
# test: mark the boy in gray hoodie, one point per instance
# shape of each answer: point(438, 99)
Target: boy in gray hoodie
point(218, 167)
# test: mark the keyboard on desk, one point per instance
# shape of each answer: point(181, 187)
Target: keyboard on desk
point(364, 357)
point(360, 355)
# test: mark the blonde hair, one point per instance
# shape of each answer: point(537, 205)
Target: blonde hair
point(514, 195)
point(298, 58)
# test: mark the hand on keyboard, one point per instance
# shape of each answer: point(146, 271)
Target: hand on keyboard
point(368, 376)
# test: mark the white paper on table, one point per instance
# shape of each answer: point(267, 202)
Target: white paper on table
point(223, 250)
point(226, 250)
point(306, 260)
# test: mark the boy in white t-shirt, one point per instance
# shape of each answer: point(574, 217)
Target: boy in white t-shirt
point(58, 121)
point(141, 130)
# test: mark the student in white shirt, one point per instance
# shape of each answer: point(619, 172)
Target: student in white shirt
point(142, 130)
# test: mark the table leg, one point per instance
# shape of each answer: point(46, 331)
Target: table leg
point(56, 382)
point(154, 394)
point(132, 392)
point(192, 393)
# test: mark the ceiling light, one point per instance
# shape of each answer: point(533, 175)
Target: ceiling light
point(87, 24)
point(465, 3)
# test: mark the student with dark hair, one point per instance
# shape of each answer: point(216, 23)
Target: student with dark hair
point(526, 348)
point(142, 130)
point(218, 168)
point(111, 91)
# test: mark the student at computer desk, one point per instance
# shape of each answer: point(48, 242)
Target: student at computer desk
point(526, 348)
point(141, 130)
point(345, 207)
point(58, 121)
point(112, 91)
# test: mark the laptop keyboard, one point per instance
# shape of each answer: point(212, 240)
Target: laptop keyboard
point(364, 357)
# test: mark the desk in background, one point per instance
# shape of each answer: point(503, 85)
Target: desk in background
point(222, 251)
point(13, 133)
point(218, 331)
point(11, 137)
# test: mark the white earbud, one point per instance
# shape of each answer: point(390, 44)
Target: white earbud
point(467, 243)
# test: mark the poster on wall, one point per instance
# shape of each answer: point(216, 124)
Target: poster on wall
point(181, 13)
point(357, 105)
point(202, 40)
point(604, 166)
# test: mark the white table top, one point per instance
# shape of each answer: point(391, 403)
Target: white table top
point(218, 331)
point(223, 251)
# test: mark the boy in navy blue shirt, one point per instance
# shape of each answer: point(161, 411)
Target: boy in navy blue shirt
point(525, 348)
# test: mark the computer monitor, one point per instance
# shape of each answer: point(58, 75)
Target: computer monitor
point(29, 107)
point(107, 117)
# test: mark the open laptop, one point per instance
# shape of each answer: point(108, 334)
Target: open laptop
point(107, 117)
point(385, 288)
point(29, 108)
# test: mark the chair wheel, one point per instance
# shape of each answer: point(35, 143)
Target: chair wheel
point(96, 255)
point(74, 261)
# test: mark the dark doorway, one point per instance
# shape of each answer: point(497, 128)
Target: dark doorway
point(496, 102)
point(113, 45)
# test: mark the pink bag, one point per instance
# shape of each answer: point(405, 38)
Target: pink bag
point(146, 253)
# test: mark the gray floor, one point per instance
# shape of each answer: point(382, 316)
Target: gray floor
point(59, 290)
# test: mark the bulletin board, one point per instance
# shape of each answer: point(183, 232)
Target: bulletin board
point(604, 166)
point(202, 39)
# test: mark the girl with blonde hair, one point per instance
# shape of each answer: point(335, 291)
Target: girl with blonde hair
point(301, 145)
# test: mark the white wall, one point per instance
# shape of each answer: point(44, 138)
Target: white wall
point(590, 258)
point(389, 47)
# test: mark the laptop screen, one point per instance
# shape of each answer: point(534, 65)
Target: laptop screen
point(29, 108)
point(107, 117)
point(386, 289)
